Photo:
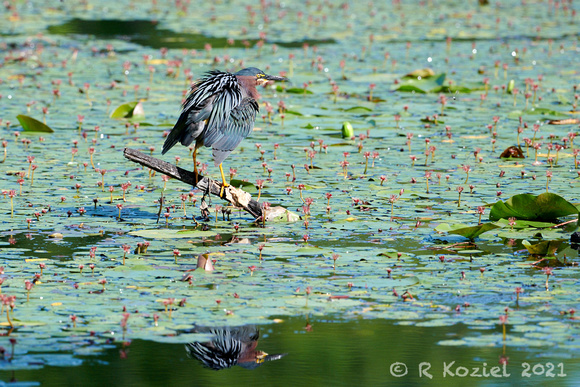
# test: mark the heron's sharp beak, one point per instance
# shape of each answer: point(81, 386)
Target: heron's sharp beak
point(261, 356)
point(275, 78)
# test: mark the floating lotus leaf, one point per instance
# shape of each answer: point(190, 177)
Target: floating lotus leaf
point(473, 232)
point(546, 206)
point(293, 112)
point(425, 85)
point(522, 224)
point(294, 90)
point(30, 124)
point(132, 110)
point(241, 184)
point(544, 247)
point(170, 233)
point(358, 109)
point(537, 113)
point(469, 232)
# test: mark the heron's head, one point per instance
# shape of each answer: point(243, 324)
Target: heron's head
point(261, 77)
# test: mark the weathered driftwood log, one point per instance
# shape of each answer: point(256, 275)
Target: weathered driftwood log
point(235, 196)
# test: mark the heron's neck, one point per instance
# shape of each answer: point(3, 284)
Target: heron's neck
point(248, 84)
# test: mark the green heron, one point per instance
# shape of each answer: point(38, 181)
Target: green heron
point(228, 347)
point(219, 112)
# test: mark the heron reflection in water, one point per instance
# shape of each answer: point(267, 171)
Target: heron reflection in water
point(228, 347)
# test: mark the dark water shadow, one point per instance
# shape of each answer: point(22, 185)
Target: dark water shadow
point(147, 33)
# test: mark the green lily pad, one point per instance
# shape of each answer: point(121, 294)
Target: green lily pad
point(424, 85)
point(544, 247)
point(524, 224)
point(435, 84)
point(132, 109)
point(469, 232)
point(240, 183)
point(447, 88)
point(294, 90)
point(546, 206)
point(473, 232)
point(293, 112)
point(30, 124)
point(170, 233)
point(533, 113)
point(358, 109)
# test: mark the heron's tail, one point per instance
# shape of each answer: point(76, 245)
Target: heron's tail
point(173, 137)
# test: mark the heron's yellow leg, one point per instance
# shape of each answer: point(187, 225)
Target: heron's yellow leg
point(224, 184)
point(195, 165)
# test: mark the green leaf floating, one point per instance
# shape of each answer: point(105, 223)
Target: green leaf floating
point(241, 184)
point(470, 232)
point(293, 90)
point(520, 224)
point(474, 231)
point(544, 247)
point(535, 112)
point(30, 124)
point(544, 207)
point(358, 109)
point(129, 110)
point(170, 233)
point(424, 85)
point(435, 84)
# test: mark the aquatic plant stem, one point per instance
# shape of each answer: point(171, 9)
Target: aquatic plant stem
point(8, 316)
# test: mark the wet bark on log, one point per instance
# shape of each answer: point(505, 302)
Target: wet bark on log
point(235, 196)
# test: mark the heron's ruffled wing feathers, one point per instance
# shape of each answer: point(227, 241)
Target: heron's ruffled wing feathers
point(239, 126)
point(228, 99)
point(210, 84)
point(211, 98)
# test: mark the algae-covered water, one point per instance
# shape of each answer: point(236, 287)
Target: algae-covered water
point(385, 144)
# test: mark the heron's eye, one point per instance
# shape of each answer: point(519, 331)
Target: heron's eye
point(260, 76)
